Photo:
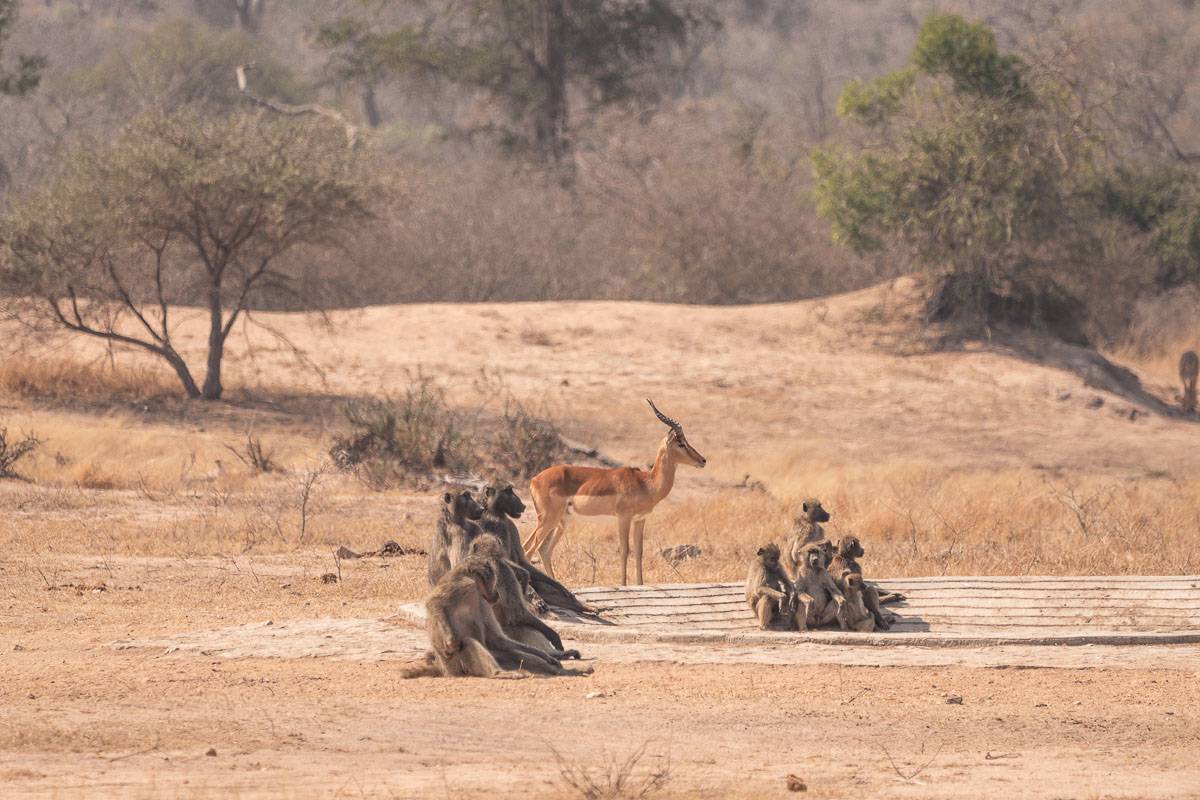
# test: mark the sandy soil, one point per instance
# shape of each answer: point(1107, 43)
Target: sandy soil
point(80, 716)
point(775, 390)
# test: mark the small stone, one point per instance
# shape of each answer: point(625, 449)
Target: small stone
point(594, 695)
point(795, 784)
point(954, 700)
point(212, 751)
point(346, 554)
point(329, 577)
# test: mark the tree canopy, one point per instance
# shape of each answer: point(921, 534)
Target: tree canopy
point(181, 208)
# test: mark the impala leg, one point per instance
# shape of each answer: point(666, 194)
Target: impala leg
point(623, 531)
point(546, 552)
point(639, 531)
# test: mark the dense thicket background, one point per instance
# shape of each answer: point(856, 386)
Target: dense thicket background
point(679, 165)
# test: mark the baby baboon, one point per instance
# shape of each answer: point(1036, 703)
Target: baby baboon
point(805, 530)
point(1189, 366)
point(853, 613)
point(817, 590)
point(849, 550)
point(464, 634)
point(510, 608)
point(770, 593)
point(501, 507)
point(456, 528)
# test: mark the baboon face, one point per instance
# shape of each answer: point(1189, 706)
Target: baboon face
point(850, 547)
point(487, 546)
point(815, 558)
point(854, 580)
point(769, 555)
point(501, 499)
point(485, 578)
point(462, 506)
point(813, 511)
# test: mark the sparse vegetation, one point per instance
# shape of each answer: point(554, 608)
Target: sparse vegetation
point(13, 448)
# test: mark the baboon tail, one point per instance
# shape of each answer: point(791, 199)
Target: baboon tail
point(555, 594)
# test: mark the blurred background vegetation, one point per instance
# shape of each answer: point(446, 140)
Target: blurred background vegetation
point(1034, 159)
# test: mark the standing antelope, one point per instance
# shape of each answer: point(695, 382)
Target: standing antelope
point(627, 493)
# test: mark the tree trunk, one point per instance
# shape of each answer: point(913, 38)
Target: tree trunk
point(185, 375)
point(370, 107)
point(216, 346)
point(550, 116)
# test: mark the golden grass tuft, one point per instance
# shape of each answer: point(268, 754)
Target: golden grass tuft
point(67, 381)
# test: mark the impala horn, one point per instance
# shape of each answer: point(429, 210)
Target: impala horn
point(664, 418)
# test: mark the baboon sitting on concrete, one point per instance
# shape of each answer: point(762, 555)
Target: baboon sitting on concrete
point(854, 611)
point(501, 507)
point(464, 635)
point(769, 591)
point(817, 590)
point(456, 528)
point(845, 562)
point(510, 608)
point(1189, 366)
point(805, 530)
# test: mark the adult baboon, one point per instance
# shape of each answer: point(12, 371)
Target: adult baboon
point(824, 598)
point(849, 550)
point(456, 528)
point(769, 591)
point(1189, 366)
point(510, 607)
point(464, 634)
point(805, 530)
point(854, 614)
point(501, 506)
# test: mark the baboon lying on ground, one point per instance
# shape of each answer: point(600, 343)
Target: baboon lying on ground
point(1189, 366)
point(510, 608)
point(849, 550)
point(501, 507)
point(456, 528)
point(466, 638)
point(769, 591)
point(854, 610)
point(805, 530)
point(817, 590)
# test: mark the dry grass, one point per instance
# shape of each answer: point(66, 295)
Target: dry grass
point(75, 382)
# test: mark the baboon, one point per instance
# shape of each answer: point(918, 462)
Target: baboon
point(769, 591)
point(1189, 366)
point(854, 614)
point(510, 608)
point(849, 550)
point(824, 599)
point(805, 530)
point(456, 528)
point(464, 634)
point(501, 506)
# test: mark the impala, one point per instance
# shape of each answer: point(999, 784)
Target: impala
point(627, 493)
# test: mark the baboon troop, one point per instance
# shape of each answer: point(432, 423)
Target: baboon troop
point(825, 585)
point(1189, 366)
point(476, 615)
point(481, 613)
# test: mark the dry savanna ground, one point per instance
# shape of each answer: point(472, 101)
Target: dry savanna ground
point(136, 519)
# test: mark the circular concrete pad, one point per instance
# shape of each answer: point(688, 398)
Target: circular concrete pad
point(936, 612)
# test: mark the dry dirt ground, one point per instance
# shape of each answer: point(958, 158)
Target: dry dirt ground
point(958, 461)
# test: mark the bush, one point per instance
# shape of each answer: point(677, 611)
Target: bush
point(418, 434)
point(13, 450)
